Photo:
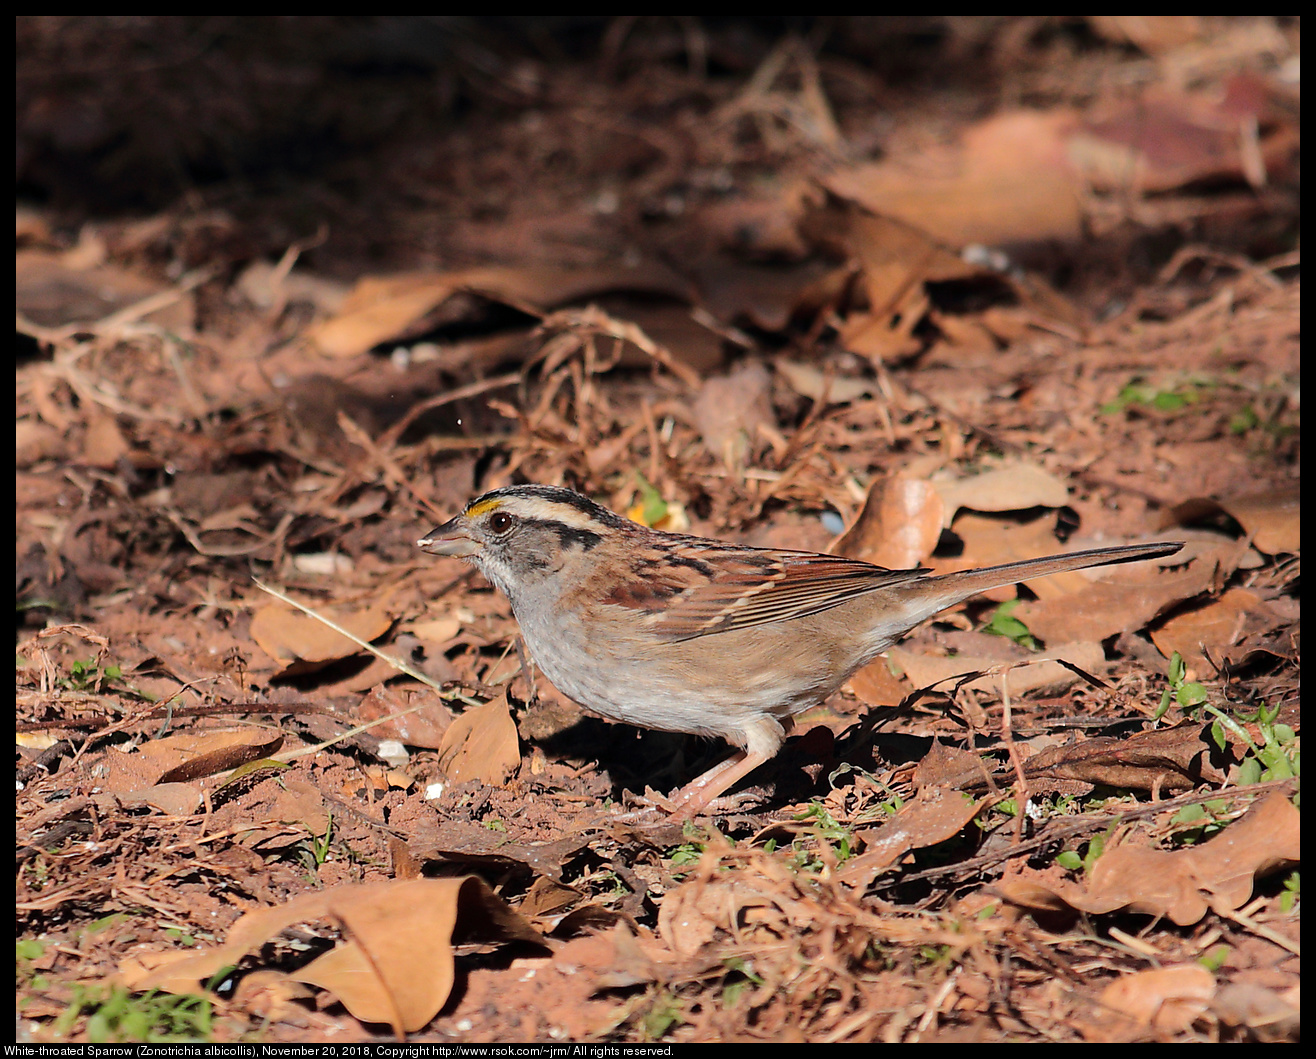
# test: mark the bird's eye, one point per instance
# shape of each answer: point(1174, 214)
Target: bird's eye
point(500, 521)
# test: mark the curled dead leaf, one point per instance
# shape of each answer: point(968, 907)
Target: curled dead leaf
point(395, 964)
point(899, 526)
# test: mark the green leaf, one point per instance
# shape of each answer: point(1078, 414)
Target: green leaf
point(1003, 623)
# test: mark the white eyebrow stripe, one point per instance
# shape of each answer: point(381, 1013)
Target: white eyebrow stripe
point(533, 507)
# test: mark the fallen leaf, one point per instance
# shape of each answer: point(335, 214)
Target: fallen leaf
point(1272, 520)
point(1009, 181)
point(384, 308)
point(1167, 1000)
point(453, 842)
point(734, 411)
point(396, 962)
point(303, 643)
point(1014, 486)
point(176, 799)
point(1037, 672)
point(187, 756)
point(1129, 598)
point(1204, 635)
point(1181, 884)
point(876, 685)
point(481, 744)
point(809, 381)
point(931, 816)
point(1177, 758)
point(419, 714)
point(52, 293)
point(898, 527)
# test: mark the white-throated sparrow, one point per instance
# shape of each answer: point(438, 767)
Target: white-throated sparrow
point(688, 634)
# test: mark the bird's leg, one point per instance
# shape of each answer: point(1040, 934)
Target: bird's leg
point(701, 791)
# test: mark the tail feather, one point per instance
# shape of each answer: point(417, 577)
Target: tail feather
point(966, 583)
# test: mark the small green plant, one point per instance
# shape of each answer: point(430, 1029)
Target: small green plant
point(736, 986)
point(87, 676)
point(93, 679)
point(1278, 756)
point(665, 1012)
point(686, 854)
point(1215, 959)
point(935, 955)
point(117, 1015)
point(495, 825)
point(1003, 623)
point(1138, 392)
point(1188, 694)
point(316, 849)
point(1074, 861)
point(1243, 420)
point(1200, 821)
point(825, 829)
point(26, 952)
point(1288, 900)
point(653, 508)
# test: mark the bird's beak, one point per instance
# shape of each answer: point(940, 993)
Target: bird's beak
point(449, 539)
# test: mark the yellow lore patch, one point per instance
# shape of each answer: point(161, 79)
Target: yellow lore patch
point(478, 509)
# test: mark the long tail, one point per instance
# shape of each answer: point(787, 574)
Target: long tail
point(966, 583)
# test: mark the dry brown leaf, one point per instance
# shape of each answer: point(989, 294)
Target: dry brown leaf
point(1154, 34)
point(1040, 671)
point(692, 914)
point(548, 898)
point(396, 962)
point(733, 412)
point(876, 685)
point(103, 445)
point(950, 766)
point(52, 293)
point(1272, 519)
point(1166, 139)
point(810, 381)
point(481, 744)
point(176, 799)
point(188, 755)
point(1175, 758)
point(380, 309)
point(303, 643)
point(1014, 486)
point(931, 816)
point(1164, 999)
point(898, 527)
point(1010, 181)
point(1211, 630)
point(423, 717)
point(1182, 884)
point(466, 842)
point(1125, 601)
point(299, 802)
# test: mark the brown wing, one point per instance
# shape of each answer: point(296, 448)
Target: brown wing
point(704, 587)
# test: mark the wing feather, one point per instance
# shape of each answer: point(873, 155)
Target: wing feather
point(703, 587)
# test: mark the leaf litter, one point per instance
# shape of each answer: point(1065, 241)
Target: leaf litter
point(1063, 813)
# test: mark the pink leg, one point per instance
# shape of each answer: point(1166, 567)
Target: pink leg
point(700, 791)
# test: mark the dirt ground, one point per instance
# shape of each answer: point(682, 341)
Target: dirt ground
point(918, 291)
